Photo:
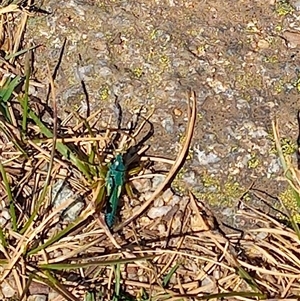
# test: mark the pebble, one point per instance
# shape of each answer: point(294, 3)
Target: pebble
point(167, 195)
point(263, 44)
point(61, 193)
point(83, 72)
point(296, 5)
point(262, 235)
point(159, 202)
point(168, 124)
point(209, 284)
point(143, 279)
point(174, 200)
point(141, 185)
point(156, 212)
point(7, 290)
point(156, 181)
point(216, 85)
point(5, 214)
point(206, 159)
point(206, 281)
point(274, 167)
point(2, 222)
point(52, 295)
point(161, 229)
point(177, 112)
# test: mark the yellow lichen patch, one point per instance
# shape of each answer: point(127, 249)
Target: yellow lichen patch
point(283, 8)
point(104, 92)
point(279, 86)
point(177, 184)
point(200, 116)
point(164, 60)
point(137, 72)
point(289, 200)
point(247, 81)
point(210, 181)
point(288, 146)
point(190, 154)
point(217, 193)
point(296, 83)
point(273, 59)
point(253, 162)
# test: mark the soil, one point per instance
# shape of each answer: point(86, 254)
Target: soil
point(240, 57)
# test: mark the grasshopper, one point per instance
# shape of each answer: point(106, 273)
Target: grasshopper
point(114, 182)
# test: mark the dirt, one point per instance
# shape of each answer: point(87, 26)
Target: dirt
point(240, 57)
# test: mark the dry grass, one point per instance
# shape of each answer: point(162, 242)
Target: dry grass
point(192, 259)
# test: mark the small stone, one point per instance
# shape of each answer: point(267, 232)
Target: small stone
point(7, 290)
point(62, 193)
point(296, 5)
point(158, 202)
point(5, 214)
point(262, 235)
point(162, 229)
point(168, 124)
point(174, 200)
point(155, 212)
point(206, 159)
point(167, 195)
point(157, 180)
point(143, 279)
point(52, 295)
point(2, 221)
point(177, 112)
point(263, 44)
point(145, 220)
point(141, 185)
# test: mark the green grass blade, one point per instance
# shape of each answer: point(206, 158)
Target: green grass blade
point(12, 209)
point(7, 90)
point(117, 282)
point(26, 288)
point(18, 53)
point(3, 239)
point(63, 149)
point(6, 93)
point(89, 296)
point(246, 277)
point(168, 277)
point(25, 98)
point(56, 237)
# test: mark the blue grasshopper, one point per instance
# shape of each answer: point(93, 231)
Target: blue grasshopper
point(114, 182)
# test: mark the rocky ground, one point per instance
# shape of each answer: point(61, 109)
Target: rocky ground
point(240, 57)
